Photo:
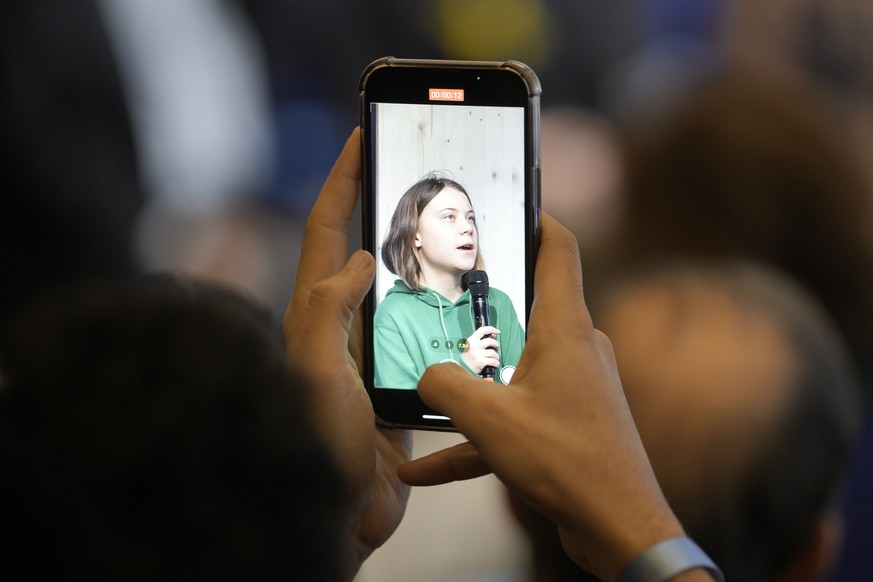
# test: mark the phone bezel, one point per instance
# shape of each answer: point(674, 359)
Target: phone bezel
point(393, 80)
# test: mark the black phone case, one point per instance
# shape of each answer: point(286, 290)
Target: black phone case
point(508, 83)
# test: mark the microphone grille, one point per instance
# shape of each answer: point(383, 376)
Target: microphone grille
point(477, 282)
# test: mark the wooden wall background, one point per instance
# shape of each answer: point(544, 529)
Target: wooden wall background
point(414, 140)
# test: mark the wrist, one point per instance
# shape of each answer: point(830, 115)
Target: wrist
point(607, 554)
point(467, 363)
point(674, 559)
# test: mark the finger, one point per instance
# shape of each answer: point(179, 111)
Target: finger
point(456, 463)
point(490, 344)
point(559, 302)
point(330, 309)
point(485, 330)
point(325, 237)
point(472, 403)
point(558, 277)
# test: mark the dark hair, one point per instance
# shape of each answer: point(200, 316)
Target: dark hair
point(738, 170)
point(801, 463)
point(152, 430)
point(397, 248)
point(756, 519)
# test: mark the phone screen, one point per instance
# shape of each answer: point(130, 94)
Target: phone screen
point(451, 189)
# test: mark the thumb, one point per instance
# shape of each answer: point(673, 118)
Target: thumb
point(330, 308)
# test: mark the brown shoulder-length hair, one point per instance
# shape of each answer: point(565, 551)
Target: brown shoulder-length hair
point(397, 249)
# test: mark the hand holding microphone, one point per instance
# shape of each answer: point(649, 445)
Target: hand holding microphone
point(481, 354)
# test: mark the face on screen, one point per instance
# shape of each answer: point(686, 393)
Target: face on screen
point(446, 241)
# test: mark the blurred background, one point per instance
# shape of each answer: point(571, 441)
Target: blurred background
point(701, 127)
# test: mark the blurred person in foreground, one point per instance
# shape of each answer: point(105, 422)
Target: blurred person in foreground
point(746, 403)
point(759, 164)
point(151, 430)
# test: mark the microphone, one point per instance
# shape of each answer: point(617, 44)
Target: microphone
point(477, 282)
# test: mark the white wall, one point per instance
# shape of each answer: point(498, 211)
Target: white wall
point(459, 532)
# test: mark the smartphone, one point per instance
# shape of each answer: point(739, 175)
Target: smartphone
point(451, 212)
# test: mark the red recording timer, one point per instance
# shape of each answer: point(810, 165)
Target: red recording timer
point(446, 94)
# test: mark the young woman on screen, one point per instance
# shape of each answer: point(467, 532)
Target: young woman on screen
point(426, 317)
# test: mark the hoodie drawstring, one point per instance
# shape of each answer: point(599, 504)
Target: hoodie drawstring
point(448, 343)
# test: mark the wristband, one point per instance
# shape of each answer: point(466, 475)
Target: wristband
point(667, 559)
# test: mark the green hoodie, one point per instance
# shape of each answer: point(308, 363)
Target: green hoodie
point(414, 329)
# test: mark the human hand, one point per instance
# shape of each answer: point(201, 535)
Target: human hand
point(482, 349)
point(561, 436)
point(324, 341)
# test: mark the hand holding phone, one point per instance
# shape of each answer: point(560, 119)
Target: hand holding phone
point(323, 343)
point(451, 186)
point(564, 442)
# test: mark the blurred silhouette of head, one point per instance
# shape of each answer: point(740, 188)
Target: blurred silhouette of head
point(152, 430)
point(746, 403)
point(757, 168)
